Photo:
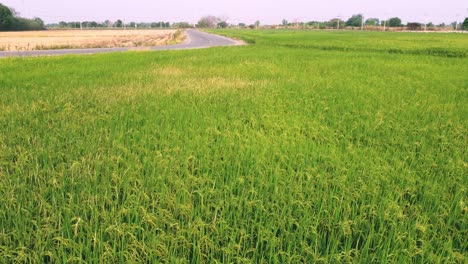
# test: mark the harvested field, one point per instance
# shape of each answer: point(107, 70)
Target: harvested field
point(73, 39)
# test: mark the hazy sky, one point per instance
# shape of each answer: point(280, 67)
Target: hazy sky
point(248, 11)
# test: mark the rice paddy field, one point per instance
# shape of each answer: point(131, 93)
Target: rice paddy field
point(302, 147)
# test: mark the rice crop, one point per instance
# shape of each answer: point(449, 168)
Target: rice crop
point(302, 147)
point(82, 39)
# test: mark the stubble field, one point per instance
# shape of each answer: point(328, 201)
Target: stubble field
point(301, 147)
point(72, 39)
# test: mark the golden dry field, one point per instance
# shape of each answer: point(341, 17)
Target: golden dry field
point(73, 39)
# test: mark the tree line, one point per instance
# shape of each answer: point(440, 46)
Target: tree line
point(116, 24)
point(10, 21)
point(355, 21)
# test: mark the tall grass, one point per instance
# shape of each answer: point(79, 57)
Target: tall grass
point(262, 153)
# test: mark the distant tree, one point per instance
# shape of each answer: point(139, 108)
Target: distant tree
point(208, 22)
point(257, 23)
point(394, 22)
point(430, 25)
point(465, 24)
point(118, 23)
point(284, 23)
point(242, 25)
point(108, 23)
point(372, 22)
point(316, 24)
point(167, 25)
point(27, 24)
point(336, 23)
point(414, 26)
point(223, 24)
point(7, 19)
point(182, 25)
point(354, 21)
point(442, 25)
point(39, 22)
point(453, 25)
point(252, 26)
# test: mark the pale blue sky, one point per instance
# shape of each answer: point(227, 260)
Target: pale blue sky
point(268, 12)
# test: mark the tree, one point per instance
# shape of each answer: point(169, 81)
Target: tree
point(414, 26)
point(354, 21)
point(284, 23)
point(7, 20)
point(208, 22)
point(336, 23)
point(394, 22)
point(372, 22)
point(257, 24)
point(242, 25)
point(223, 24)
point(108, 23)
point(39, 21)
point(182, 25)
point(118, 23)
point(454, 25)
point(465, 24)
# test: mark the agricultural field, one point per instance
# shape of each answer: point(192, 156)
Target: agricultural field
point(76, 39)
point(304, 146)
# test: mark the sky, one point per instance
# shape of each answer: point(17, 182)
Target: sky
point(236, 11)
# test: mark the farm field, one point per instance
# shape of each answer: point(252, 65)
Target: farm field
point(72, 39)
point(305, 146)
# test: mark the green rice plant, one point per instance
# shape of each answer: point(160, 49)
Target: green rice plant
point(281, 151)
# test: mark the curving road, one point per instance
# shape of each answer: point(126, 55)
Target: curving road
point(194, 40)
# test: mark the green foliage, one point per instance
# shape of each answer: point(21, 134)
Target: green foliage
point(8, 21)
point(336, 23)
point(182, 25)
point(354, 21)
point(372, 22)
point(394, 22)
point(305, 147)
point(118, 23)
point(465, 24)
point(414, 26)
point(223, 24)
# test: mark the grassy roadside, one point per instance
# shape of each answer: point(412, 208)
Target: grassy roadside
point(276, 152)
